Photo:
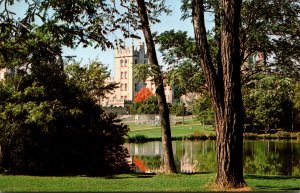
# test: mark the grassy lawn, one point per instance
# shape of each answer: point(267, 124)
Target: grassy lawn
point(189, 127)
point(193, 127)
point(140, 183)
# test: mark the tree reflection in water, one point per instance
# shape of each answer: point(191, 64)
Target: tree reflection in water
point(266, 157)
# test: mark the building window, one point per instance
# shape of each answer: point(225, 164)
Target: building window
point(125, 64)
point(121, 87)
point(125, 86)
point(145, 62)
point(121, 97)
point(125, 75)
point(125, 97)
point(136, 61)
point(121, 75)
point(121, 62)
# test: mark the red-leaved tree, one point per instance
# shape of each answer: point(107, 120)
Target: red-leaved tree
point(142, 95)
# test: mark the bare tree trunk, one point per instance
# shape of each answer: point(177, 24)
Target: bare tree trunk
point(230, 133)
point(224, 85)
point(169, 163)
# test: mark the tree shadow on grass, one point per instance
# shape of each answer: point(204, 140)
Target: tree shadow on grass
point(268, 188)
point(148, 175)
point(252, 176)
point(279, 185)
point(139, 175)
point(194, 173)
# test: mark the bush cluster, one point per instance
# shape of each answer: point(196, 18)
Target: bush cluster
point(49, 126)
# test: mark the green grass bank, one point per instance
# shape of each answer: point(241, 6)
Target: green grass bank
point(193, 129)
point(140, 183)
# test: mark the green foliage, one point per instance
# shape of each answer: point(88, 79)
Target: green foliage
point(197, 136)
point(49, 122)
point(262, 163)
point(141, 72)
point(138, 139)
point(179, 50)
point(273, 32)
point(178, 109)
point(283, 135)
point(40, 124)
point(296, 100)
point(148, 106)
point(186, 78)
point(202, 108)
point(90, 78)
point(268, 102)
point(177, 47)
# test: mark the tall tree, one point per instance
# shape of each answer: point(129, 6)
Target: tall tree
point(90, 78)
point(42, 111)
point(169, 163)
point(224, 85)
point(180, 54)
point(141, 72)
point(268, 102)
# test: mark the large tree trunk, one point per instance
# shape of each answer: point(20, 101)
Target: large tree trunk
point(169, 163)
point(224, 85)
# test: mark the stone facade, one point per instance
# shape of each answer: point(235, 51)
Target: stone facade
point(124, 60)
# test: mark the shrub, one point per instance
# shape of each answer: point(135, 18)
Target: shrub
point(212, 136)
point(57, 129)
point(142, 95)
point(138, 139)
point(283, 135)
point(177, 109)
point(148, 106)
point(197, 136)
point(250, 136)
point(295, 135)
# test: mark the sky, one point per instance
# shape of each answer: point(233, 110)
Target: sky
point(168, 22)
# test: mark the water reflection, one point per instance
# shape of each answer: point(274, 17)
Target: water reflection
point(260, 157)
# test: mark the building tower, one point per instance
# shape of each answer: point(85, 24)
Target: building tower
point(124, 60)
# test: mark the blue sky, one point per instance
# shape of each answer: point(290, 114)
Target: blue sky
point(168, 22)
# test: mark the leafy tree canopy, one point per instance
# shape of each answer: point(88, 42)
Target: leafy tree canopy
point(148, 106)
point(142, 95)
point(268, 102)
point(90, 78)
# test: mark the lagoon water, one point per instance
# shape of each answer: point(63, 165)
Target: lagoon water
point(266, 157)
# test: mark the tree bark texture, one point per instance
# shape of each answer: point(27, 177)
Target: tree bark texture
point(224, 83)
point(169, 163)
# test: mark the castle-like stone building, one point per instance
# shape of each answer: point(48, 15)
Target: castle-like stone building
point(124, 61)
